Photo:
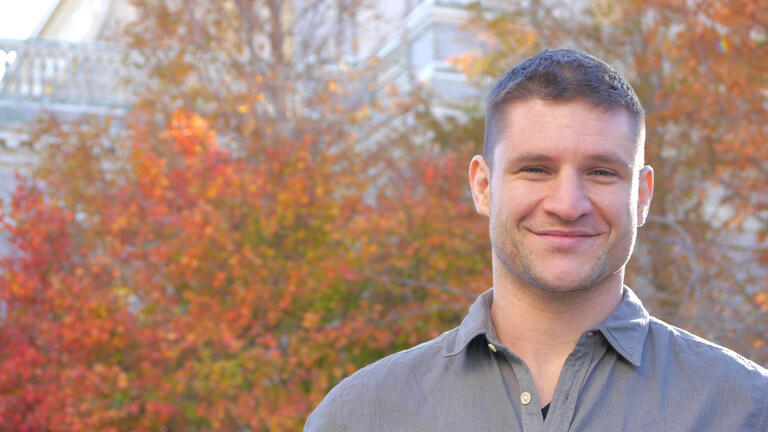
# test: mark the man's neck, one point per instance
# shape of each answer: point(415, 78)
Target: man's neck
point(523, 316)
point(542, 328)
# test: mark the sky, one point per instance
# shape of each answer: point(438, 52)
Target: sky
point(18, 18)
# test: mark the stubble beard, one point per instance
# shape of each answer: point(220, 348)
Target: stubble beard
point(521, 266)
point(528, 273)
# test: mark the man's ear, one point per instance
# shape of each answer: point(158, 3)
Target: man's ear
point(480, 182)
point(644, 194)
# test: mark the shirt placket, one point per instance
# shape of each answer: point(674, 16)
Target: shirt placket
point(569, 384)
point(525, 398)
point(564, 399)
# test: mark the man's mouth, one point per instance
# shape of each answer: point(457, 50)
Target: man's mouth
point(566, 238)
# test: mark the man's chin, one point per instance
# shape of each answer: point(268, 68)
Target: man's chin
point(562, 289)
point(566, 285)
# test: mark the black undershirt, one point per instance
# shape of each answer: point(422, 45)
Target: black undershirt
point(544, 411)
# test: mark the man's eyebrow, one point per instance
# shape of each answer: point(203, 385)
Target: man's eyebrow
point(603, 158)
point(609, 158)
point(530, 157)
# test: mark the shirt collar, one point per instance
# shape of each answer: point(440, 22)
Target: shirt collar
point(477, 322)
point(625, 328)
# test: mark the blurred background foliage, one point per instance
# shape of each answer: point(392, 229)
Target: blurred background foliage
point(238, 243)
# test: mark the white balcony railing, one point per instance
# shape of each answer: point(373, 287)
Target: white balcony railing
point(51, 73)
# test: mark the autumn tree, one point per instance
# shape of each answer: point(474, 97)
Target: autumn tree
point(161, 282)
point(230, 250)
point(255, 68)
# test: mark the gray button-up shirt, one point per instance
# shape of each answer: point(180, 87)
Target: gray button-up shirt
point(632, 372)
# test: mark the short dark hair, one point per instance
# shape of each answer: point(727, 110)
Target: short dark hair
point(560, 75)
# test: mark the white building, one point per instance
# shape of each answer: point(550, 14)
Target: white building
point(67, 68)
point(64, 68)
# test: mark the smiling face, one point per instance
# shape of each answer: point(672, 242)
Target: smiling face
point(565, 195)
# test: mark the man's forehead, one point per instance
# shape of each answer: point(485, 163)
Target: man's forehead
point(565, 113)
point(538, 124)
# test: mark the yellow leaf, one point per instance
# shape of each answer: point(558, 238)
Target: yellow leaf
point(311, 319)
point(761, 299)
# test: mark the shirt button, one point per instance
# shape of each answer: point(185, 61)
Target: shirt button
point(492, 347)
point(525, 398)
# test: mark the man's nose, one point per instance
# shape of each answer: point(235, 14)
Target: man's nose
point(567, 198)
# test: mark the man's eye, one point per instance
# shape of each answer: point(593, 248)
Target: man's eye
point(603, 173)
point(534, 170)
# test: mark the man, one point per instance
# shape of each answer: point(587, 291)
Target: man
point(559, 343)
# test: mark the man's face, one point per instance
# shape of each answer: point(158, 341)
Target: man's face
point(565, 195)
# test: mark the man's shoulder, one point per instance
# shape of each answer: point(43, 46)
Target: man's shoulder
point(395, 369)
point(389, 383)
point(695, 354)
